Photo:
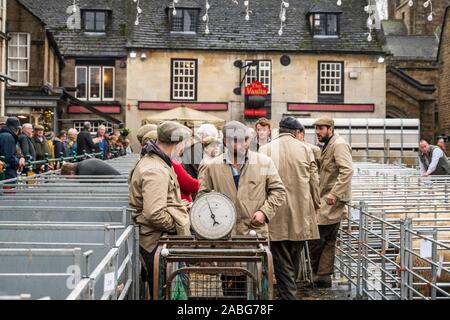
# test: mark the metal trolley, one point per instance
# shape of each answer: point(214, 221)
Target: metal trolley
point(187, 268)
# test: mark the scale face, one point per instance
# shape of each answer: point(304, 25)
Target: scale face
point(213, 216)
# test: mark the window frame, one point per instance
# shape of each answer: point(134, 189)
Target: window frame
point(113, 83)
point(28, 59)
point(86, 82)
point(331, 97)
point(258, 73)
point(172, 76)
point(326, 35)
point(95, 21)
point(102, 84)
point(196, 21)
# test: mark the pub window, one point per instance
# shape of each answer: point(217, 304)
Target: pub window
point(95, 21)
point(95, 83)
point(326, 24)
point(185, 20)
point(331, 81)
point(79, 125)
point(19, 58)
point(262, 72)
point(184, 80)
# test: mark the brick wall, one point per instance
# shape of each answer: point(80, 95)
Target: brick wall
point(444, 83)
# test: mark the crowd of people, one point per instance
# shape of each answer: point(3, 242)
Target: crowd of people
point(283, 188)
point(27, 143)
point(290, 191)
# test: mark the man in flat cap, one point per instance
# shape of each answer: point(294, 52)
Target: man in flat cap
point(40, 145)
point(154, 193)
point(336, 173)
point(142, 131)
point(295, 221)
point(9, 136)
point(251, 181)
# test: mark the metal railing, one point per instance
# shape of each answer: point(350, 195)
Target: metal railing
point(53, 213)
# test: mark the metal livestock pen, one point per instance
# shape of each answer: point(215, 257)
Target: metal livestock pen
point(60, 236)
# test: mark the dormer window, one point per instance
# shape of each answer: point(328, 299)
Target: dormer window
point(95, 21)
point(325, 25)
point(184, 21)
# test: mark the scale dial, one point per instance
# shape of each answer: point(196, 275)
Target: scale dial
point(213, 216)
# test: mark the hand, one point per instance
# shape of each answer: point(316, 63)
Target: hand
point(186, 203)
point(21, 164)
point(426, 174)
point(330, 199)
point(259, 218)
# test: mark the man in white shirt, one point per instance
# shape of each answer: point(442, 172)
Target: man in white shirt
point(432, 160)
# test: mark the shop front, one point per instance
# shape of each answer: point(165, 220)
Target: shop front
point(34, 109)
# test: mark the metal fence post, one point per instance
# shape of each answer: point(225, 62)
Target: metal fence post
point(402, 259)
point(359, 259)
point(409, 258)
point(434, 258)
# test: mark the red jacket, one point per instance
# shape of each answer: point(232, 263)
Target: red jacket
point(188, 185)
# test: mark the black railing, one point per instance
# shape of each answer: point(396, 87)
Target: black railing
point(31, 166)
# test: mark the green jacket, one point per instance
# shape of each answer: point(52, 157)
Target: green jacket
point(41, 148)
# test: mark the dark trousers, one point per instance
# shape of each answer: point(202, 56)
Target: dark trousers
point(322, 251)
point(286, 263)
point(147, 268)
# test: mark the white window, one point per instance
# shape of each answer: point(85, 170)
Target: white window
point(95, 83)
point(19, 58)
point(261, 72)
point(94, 126)
point(184, 80)
point(330, 78)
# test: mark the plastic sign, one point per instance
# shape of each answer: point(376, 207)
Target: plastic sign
point(256, 88)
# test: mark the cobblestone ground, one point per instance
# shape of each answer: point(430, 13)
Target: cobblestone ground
point(339, 291)
point(336, 292)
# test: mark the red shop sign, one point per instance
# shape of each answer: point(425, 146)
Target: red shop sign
point(256, 88)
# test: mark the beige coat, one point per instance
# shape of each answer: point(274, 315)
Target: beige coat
point(155, 194)
point(336, 173)
point(260, 188)
point(296, 219)
point(317, 153)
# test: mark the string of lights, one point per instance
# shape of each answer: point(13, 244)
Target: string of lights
point(369, 9)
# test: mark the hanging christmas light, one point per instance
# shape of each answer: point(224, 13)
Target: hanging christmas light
point(427, 4)
point(174, 12)
point(284, 6)
point(206, 16)
point(370, 19)
point(247, 9)
point(138, 12)
point(339, 2)
point(74, 6)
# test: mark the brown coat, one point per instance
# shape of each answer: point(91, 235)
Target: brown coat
point(296, 219)
point(336, 173)
point(155, 194)
point(260, 188)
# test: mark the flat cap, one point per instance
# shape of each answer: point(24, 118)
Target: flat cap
point(236, 129)
point(144, 130)
point(210, 140)
point(324, 121)
point(13, 122)
point(151, 135)
point(38, 127)
point(291, 123)
point(173, 132)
